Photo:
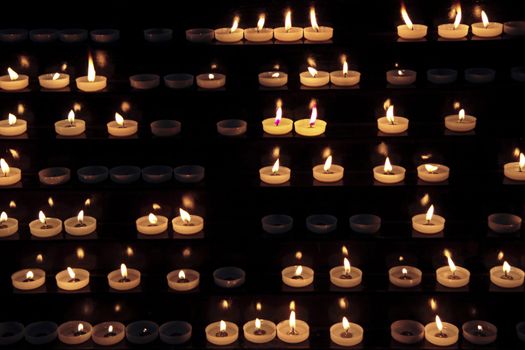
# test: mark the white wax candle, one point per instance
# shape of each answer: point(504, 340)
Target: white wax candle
point(401, 76)
point(72, 279)
point(152, 224)
point(314, 78)
point(9, 175)
point(345, 78)
point(121, 127)
point(293, 331)
point(54, 81)
point(12, 126)
point(405, 276)
point(187, 224)
point(222, 333)
point(45, 227)
point(346, 333)
point(8, 226)
point(328, 172)
point(108, 333)
point(346, 276)
point(28, 279)
point(433, 172)
point(414, 32)
point(124, 278)
point(441, 333)
point(388, 173)
point(80, 225)
point(428, 223)
point(226, 35)
point(211, 80)
point(297, 276)
point(259, 331)
point(275, 175)
point(486, 29)
point(13, 81)
point(449, 31)
point(74, 332)
point(273, 79)
point(70, 126)
point(453, 277)
point(183, 280)
point(506, 276)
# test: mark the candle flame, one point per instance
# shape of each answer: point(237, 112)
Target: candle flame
point(388, 167)
point(516, 152)
point(346, 324)
point(347, 266)
point(344, 250)
point(312, 71)
point(185, 216)
point(406, 18)
point(211, 76)
point(258, 306)
point(63, 67)
point(80, 253)
point(56, 76)
point(222, 326)
point(433, 304)
point(71, 117)
point(390, 114)
point(457, 20)
point(39, 258)
point(51, 202)
point(129, 251)
point(182, 275)
point(404, 271)
point(80, 216)
point(152, 218)
point(257, 324)
point(91, 69)
point(225, 304)
point(71, 273)
point(461, 115)
point(313, 19)
point(431, 168)
point(506, 267)
point(278, 115)
point(288, 20)
point(235, 24)
point(30, 275)
point(3, 217)
point(275, 75)
point(292, 320)
point(80, 327)
point(327, 164)
point(275, 168)
point(298, 270)
point(313, 116)
point(343, 303)
point(119, 119)
point(345, 68)
point(260, 22)
point(424, 200)
point(501, 255)
point(41, 217)
point(11, 119)
point(123, 271)
point(522, 161)
point(4, 166)
point(110, 328)
point(12, 74)
point(292, 305)
point(298, 255)
point(387, 104)
point(156, 206)
point(451, 265)
point(430, 213)
point(485, 19)
point(14, 153)
point(401, 258)
point(439, 324)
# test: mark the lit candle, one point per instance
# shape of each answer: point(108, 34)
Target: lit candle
point(74, 332)
point(70, 126)
point(186, 224)
point(401, 77)
point(328, 172)
point(388, 173)
point(278, 125)
point(152, 224)
point(183, 280)
point(441, 333)
point(230, 35)
point(211, 81)
point(28, 279)
point(8, 226)
point(13, 81)
point(428, 223)
point(81, 225)
point(312, 77)
point(346, 276)
point(12, 126)
point(91, 82)
point(124, 278)
point(293, 331)
point(222, 333)
point(514, 170)
point(410, 31)
point(54, 81)
point(72, 279)
point(108, 333)
point(346, 333)
point(452, 276)
point(45, 227)
point(288, 33)
point(391, 124)
point(433, 172)
point(297, 276)
point(460, 122)
point(505, 276)
point(259, 331)
point(316, 32)
point(405, 276)
point(345, 77)
point(479, 332)
point(454, 30)
point(259, 33)
point(273, 79)
point(9, 176)
point(275, 175)
point(486, 29)
point(121, 127)
point(310, 127)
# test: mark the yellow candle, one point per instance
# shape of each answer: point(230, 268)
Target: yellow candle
point(310, 127)
point(70, 126)
point(410, 31)
point(275, 175)
point(316, 32)
point(278, 125)
point(91, 82)
point(454, 30)
point(13, 81)
point(288, 33)
point(12, 126)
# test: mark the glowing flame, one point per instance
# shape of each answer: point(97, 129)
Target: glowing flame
point(431, 168)
point(424, 200)
point(64, 67)
point(516, 152)
point(401, 258)
point(21, 108)
point(3, 217)
point(71, 273)
point(91, 69)
point(313, 19)
point(522, 161)
point(51, 202)
point(4, 166)
point(275, 75)
point(347, 266)
point(485, 19)
point(275, 167)
point(211, 76)
point(260, 22)
point(345, 68)
point(41, 217)
point(457, 20)
point(390, 114)
point(12, 74)
point(80, 216)
point(87, 202)
point(77, 107)
point(80, 253)
point(288, 20)
point(257, 323)
point(30, 275)
point(110, 328)
point(292, 320)
point(298, 270)
point(404, 271)
point(56, 76)
point(276, 152)
point(327, 164)
point(152, 218)
point(71, 117)
point(501, 255)
point(313, 116)
point(225, 304)
point(461, 115)
point(129, 251)
point(278, 115)
point(298, 255)
point(439, 324)
point(11, 119)
point(292, 305)
point(182, 275)
point(451, 265)
point(39, 258)
point(387, 104)
point(156, 206)
point(312, 71)
point(407, 20)
point(80, 328)
point(430, 213)
point(388, 167)
point(186, 252)
point(426, 156)
point(235, 24)
point(185, 216)
point(346, 324)
point(344, 250)
point(119, 119)
point(506, 267)
point(123, 271)
point(343, 303)
point(12, 204)
point(222, 326)
point(258, 306)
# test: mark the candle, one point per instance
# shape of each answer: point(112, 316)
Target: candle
point(275, 175)
point(405, 276)
point(316, 32)
point(74, 332)
point(105, 35)
point(144, 81)
point(346, 276)
point(45, 227)
point(124, 278)
point(388, 173)
point(259, 331)
point(232, 127)
point(92, 82)
point(314, 78)
point(365, 223)
point(460, 122)
point(9, 176)
point(222, 333)
point(183, 280)
point(514, 170)
point(72, 279)
point(410, 31)
point(391, 124)
point(278, 125)
point(81, 225)
point(452, 276)
point(346, 333)
point(12, 126)
point(277, 223)
point(54, 81)
point(504, 223)
point(200, 35)
point(401, 77)
point(441, 333)
point(310, 127)
point(175, 332)
point(121, 127)
point(70, 126)
point(505, 276)
point(230, 35)
point(407, 331)
point(178, 80)
point(142, 332)
point(479, 332)
point(480, 75)
point(442, 75)
point(273, 79)
point(229, 277)
point(321, 224)
point(54, 176)
point(486, 29)
point(328, 172)
point(211, 81)
point(41, 332)
point(189, 173)
point(259, 33)
point(11, 333)
point(108, 333)
point(297, 276)
point(186, 224)
point(165, 127)
point(92, 174)
point(152, 224)
point(454, 30)
point(433, 172)
point(293, 331)
point(345, 77)
point(8, 226)
point(13, 81)
point(28, 279)
point(288, 33)
point(428, 223)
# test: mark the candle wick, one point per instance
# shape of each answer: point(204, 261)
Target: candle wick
point(29, 280)
point(346, 276)
point(312, 125)
point(259, 331)
point(79, 333)
point(293, 331)
point(328, 172)
point(124, 280)
point(74, 280)
point(2, 225)
point(345, 74)
point(275, 173)
point(506, 276)
point(347, 334)
point(297, 277)
point(441, 335)
point(182, 280)
point(221, 334)
point(45, 226)
point(109, 334)
point(80, 223)
point(429, 223)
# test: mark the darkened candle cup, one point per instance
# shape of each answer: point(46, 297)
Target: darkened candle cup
point(518, 74)
point(13, 35)
point(442, 75)
point(407, 331)
point(43, 35)
point(73, 35)
point(229, 277)
point(189, 173)
point(480, 75)
point(277, 224)
point(93, 174)
point(40, 333)
point(158, 35)
point(321, 223)
point(105, 35)
point(11, 332)
point(232, 127)
point(165, 127)
point(479, 332)
point(520, 330)
point(157, 174)
point(144, 81)
point(178, 80)
point(125, 174)
point(142, 332)
point(175, 332)
point(365, 223)
point(200, 35)
point(504, 223)
point(54, 176)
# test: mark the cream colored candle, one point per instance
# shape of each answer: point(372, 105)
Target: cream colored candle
point(514, 170)
point(433, 172)
point(428, 223)
point(410, 31)
point(460, 122)
point(506, 276)
point(316, 32)
point(45, 227)
point(222, 333)
point(314, 78)
point(259, 331)
point(211, 81)
point(91, 82)
point(405, 276)
point(74, 332)
point(310, 127)
point(456, 30)
point(28, 279)
point(9, 176)
point(388, 173)
point(401, 76)
point(259, 33)
point(346, 276)
point(230, 35)
point(186, 224)
point(70, 126)
point(486, 29)
point(346, 333)
point(297, 276)
point(441, 333)
point(8, 226)
point(328, 172)
point(12, 126)
point(72, 279)
point(277, 125)
point(13, 81)
point(288, 33)
point(121, 127)
point(81, 225)
point(273, 79)
point(293, 331)
point(124, 278)
point(54, 81)
point(452, 276)
point(108, 333)
point(391, 124)
point(183, 280)
point(345, 77)
point(275, 175)
point(152, 224)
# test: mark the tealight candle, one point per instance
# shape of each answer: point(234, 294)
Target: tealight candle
point(259, 33)
point(259, 331)
point(479, 332)
point(222, 333)
point(479, 75)
point(81, 225)
point(278, 125)
point(108, 333)
point(211, 81)
point(178, 80)
point(505, 276)
point(45, 227)
point(391, 124)
point(486, 29)
point(230, 35)
point(345, 77)
point(41, 332)
point(28, 279)
point(275, 175)
point(9, 176)
point(273, 79)
point(12, 126)
point(121, 127)
point(54, 81)
point(442, 75)
point(288, 33)
point(346, 333)
point(316, 32)
point(229, 277)
point(346, 276)
point(460, 122)
point(73, 35)
point(293, 331)
point(74, 332)
point(13, 81)
point(441, 333)
point(328, 172)
point(144, 81)
point(514, 27)
point(165, 127)
point(142, 332)
point(452, 276)
point(504, 222)
point(433, 172)
point(43, 35)
point(405, 276)
point(152, 224)
point(124, 278)
point(310, 127)
point(407, 331)
point(91, 82)
point(456, 30)
point(72, 279)
point(314, 78)
point(365, 223)
point(13, 35)
point(277, 223)
point(175, 332)
point(200, 35)
point(189, 173)
point(388, 173)
point(514, 170)
point(428, 223)
point(183, 280)
point(186, 224)
point(8, 226)
point(410, 31)
point(401, 77)
point(297, 276)
point(158, 35)
point(70, 126)
point(105, 35)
